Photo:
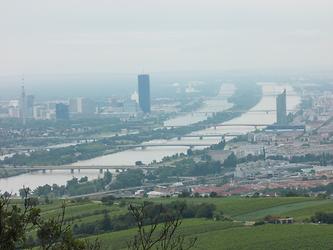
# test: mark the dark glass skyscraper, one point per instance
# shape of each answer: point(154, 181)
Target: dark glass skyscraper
point(62, 111)
point(281, 108)
point(144, 93)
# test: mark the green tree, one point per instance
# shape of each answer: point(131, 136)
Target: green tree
point(16, 220)
point(129, 178)
point(155, 235)
point(106, 223)
point(231, 161)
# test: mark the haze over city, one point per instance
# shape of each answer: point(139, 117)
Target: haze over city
point(74, 36)
point(166, 125)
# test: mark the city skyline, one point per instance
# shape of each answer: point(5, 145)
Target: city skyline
point(172, 124)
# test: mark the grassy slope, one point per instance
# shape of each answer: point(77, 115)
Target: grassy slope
point(227, 235)
point(223, 235)
point(307, 212)
point(238, 208)
point(299, 210)
point(295, 236)
point(189, 227)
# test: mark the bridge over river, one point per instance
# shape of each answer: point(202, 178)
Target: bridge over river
point(236, 111)
point(77, 167)
point(145, 145)
point(255, 125)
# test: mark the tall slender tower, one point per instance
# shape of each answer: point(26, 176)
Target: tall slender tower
point(23, 104)
point(144, 93)
point(281, 108)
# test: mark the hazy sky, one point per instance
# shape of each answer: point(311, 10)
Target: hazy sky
point(118, 36)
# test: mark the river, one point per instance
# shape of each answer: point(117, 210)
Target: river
point(216, 104)
point(149, 154)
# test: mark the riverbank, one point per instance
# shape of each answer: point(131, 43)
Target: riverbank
point(5, 173)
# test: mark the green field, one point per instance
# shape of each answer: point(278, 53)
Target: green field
point(227, 235)
point(244, 209)
point(231, 234)
point(295, 236)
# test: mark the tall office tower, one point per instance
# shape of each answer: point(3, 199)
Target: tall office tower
point(62, 111)
point(73, 105)
point(88, 106)
point(23, 105)
point(40, 112)
point(281, 108)
point(79, 104)
point(30, 102)
point(144, 93)
point(14, 109)
point(82, 106)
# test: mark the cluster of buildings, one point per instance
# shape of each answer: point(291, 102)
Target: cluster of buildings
point(174, 189)
point(283, 139)
point(26, 108)
point(269, 169)
point(22, 108)
point(267, 186)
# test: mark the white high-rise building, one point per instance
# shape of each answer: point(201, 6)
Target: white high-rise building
point(40, 112)
point(30, 102)
point(82, 105)
point(23, 104)
point(14, 108)
point(73, 105)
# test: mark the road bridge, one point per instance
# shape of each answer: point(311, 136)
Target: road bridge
point(224, 125)
point(179, 144)
point(236, 111)
point(209, 135)
point(92, 139)
point(125, 146)
point(277, 93)
point(202, 136)
point(78, 167)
